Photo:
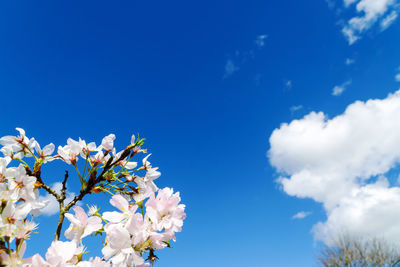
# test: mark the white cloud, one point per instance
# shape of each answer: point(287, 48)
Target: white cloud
point(295, 108)
point(371, 210)
point(301, 215)
point(260, 40)
point(397, 77)
point(53, 207)
point(349, 61)
point(339, 89)
point(388, 20)
point(336, 161)
point(350, 35)
point(371, 12)
point(230, 68)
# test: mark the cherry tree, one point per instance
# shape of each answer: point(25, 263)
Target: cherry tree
point(145, 218)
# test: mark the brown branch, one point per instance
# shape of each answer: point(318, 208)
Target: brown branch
point(87, 190)
point(40, 181)
point(93, 182)
point(64, 186)
point(60, 221)
point(62, 209)
point(60, 197)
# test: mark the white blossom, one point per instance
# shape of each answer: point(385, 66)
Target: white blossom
point(108, 142)
point(143, 222)
point(81, 225)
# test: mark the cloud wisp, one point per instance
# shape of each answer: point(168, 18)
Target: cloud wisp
point(295, 108)
point(349, 61)
point(388, 20)
point(288, 84)
point(369, 12)
point(301, 215)
point(230, 68)
point(397, 76)
point(341, 163)
point(339, 89)
point(260, 40)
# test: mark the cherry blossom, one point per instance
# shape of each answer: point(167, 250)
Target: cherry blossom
point(146, 218)
point(17, 146)
point(128, 210)
point(108, 142)
point(70, 151)
point(46, 152)
point(165, 211)
point(81, 225)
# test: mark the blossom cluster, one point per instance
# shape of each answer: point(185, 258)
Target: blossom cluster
point(146, 218)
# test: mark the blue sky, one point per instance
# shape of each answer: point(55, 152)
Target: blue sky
point(206, 83)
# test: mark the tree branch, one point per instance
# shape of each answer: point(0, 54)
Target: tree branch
point(91, 184)
point(41, 183)
point(64, 186)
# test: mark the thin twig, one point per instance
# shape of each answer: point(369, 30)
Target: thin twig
point(87, 190)
point(64, 186)
point(60, 200)
point(41, 183)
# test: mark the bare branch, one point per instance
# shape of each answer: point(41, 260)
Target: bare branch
point(64, 186)
point(350, 251)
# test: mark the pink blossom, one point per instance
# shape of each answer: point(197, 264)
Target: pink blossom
point(81, 225)
point(59, 253)
point(165, 211)
point(118, 247)
point(128, 210)
point(70, 152)
point(108, 142)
